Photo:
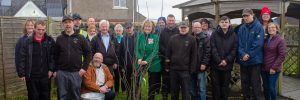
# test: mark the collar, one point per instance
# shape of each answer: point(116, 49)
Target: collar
point(105, 35)
point(38, 40)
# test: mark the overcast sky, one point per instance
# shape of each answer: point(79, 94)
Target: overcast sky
point(154, 7)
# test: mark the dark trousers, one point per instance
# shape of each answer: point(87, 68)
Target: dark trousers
point(250, 78)
point(38, 88)
point(194, 87)
point(68, 85)
point(220, 80)
point(110, 95)
point(269, 85)
point(154, 84)
point(165, 87)
point(180, 80)
point(118, 80)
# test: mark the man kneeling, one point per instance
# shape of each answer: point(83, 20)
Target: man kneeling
point(98, 78)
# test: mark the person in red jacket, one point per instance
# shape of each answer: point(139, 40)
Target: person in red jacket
point(274, 55)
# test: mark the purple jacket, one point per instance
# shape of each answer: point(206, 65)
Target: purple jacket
point(274, 53)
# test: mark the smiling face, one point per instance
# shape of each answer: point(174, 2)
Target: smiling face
point(29, 27)
point(40, 30)
point(104, 27)
point(197, 27)
point(183, 30)
point(148, 28)
point(97, 59)
point(272, 29)
point(266, 17)
point(248, 18)
point(77, 22)
point(171, 21)
point(161, 24)
point(68, 25)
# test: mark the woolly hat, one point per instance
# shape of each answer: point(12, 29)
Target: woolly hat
point(162, 18)
point(265, 10)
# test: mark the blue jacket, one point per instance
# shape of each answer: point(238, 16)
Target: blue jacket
point(251, 41)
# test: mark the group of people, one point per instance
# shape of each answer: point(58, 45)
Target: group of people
point(93, 59)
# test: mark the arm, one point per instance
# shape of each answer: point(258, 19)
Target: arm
point(241, 50)
point(87, 80)
point(51, 55)
point(23, 57)
point(230, 58)
point(109, 82)
point(281, 55)
point(207, 52)
point(86, 54)
point(258, 42)
point(18, 55)
point(194, 56)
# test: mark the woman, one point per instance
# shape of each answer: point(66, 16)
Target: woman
point(28, 30)
point(160, 25)
point(91, 33)
point(274, 55)
point(147, 56)
point(265, 17)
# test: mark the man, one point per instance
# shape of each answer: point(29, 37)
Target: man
point(250, 54)
point(182, 56)
point(37, 63)
point(70, 48)
point(203, 57)
point(98, 78)
point(106, 44)
point(77, 25)
point(89, 22)
point(164, 38)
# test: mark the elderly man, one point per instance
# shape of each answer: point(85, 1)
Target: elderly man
point(98, 78)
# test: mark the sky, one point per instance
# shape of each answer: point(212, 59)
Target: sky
point(154, 8)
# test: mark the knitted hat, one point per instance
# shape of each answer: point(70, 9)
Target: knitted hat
point(265, 10)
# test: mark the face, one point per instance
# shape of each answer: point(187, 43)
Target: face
point(248, 18)
point(161, 24)
point(68, 25)
point(92, 32)
point(204, 26)
point(29, 27)
point(171, 21)
point(148, 28)
point(77, 22)
point(104, 28)
point(183, 30)
point(129, 30)
point(266, 17)
point(40, 30)
point(91, 21)
point(272, 30)
point(97, 59)
point(118, 31)
point(224, 24)
point(197, 27)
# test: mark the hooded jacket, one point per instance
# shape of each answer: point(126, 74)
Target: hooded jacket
point(203, 49)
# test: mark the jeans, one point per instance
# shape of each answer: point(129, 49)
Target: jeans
point(269, 85)
point(202, 85)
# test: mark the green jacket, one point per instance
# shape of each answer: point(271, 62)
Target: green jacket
point(147, 50)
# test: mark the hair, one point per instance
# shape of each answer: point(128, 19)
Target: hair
point(225, 18)
point(206, 21)
point(26, 22)
point(39, 22)
point(104, 21)
point(91, 27)
point(119, 26)
point(276, 25)
point(149, 22)
point(170, 15)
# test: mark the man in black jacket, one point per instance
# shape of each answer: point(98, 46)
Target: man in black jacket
point(70, 47)
point(224, 46)
point(37, 63)
point(182, 56)
point(164, 38)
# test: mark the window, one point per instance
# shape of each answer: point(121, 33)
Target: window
point(120, 4)
point(6, 3)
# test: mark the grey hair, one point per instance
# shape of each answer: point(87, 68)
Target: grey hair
point(104, 21)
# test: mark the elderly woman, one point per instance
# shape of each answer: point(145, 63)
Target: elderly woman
point(274, 55)
point(147, 55)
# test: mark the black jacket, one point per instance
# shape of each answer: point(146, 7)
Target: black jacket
point(182, 52)
point(224, 47)
point(109, 57)
point(19, 45)
point(127, 56)
point(70, 51)
point(203, 49)
point(27, 55)
point(164, 39)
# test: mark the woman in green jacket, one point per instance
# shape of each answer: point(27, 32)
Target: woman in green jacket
point(147, 56)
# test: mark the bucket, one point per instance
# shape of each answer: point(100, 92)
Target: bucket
point(92, 96)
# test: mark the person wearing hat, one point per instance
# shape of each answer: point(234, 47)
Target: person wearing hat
point(78, 24)
point(250, 54)
point(265, 18)
point(70, 47)
point(160, 25)
point(182, 59)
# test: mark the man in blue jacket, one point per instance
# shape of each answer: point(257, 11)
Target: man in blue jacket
point(250, 54)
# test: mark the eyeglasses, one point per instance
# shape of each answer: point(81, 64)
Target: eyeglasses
point(183, 27)
point(246, 15)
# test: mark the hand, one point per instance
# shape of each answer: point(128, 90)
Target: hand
point(54, 74)
point(224, 63)
point(22, 79)
point(144, 62)
point(202, 67)
point(50, 73)
point(272, 71)
point(167, 70)
point(115, 66)
point(81, 72)
point(103, 89)
point(139, 61)
point(246, 57)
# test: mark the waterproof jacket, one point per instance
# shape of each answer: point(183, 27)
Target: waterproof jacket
point(251, 41)
point(203, 49)
point(72, 53)
point(127, 55)
point(147, 49)
point(19, 45)
point(27, 55)
point(164, 38)
point(224, 47)
point(275, 50)
point(109, 56)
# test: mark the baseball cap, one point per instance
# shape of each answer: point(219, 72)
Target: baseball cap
point(67, 17)
point(247, 11)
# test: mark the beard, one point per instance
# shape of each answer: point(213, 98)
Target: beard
point(96, 64)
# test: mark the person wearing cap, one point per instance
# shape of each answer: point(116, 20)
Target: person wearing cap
point(146, 51)
point(37, 63)
point(203, 57)
point(78, 24)
point(160, 25)
point(70, 47)
point(182, 59)
point(223, 48)
point(250, 54)
point(170, 30)
point(265, 18)
point(127, 57)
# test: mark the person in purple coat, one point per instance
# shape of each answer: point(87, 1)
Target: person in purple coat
point(275, 50)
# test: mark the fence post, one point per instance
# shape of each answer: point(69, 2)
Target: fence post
point(298, 45)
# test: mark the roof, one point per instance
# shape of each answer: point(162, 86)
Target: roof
point(30, 10)
point(192, 3)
